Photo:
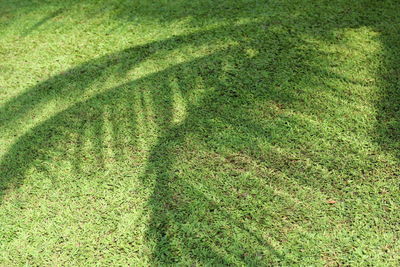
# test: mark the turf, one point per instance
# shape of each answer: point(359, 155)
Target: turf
point(199, 133)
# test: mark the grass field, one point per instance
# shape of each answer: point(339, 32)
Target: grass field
point(199, 133)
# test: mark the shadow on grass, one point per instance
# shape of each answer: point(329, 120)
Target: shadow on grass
point(117, 106)
point(388, 115)
point(46, 19)
point(234, 112)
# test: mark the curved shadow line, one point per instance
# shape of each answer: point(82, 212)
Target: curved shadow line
point(73, 82)
point(24, 151)
point(43, 21)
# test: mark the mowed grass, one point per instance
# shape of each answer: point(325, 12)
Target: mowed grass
point(199, 133)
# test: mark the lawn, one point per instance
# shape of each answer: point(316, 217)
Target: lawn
point(200, 133)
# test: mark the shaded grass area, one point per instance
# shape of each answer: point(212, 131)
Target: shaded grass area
point(194, 133)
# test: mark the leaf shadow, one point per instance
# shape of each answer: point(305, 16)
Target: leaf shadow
point(184, 230)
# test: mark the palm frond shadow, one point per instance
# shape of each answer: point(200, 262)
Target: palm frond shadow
point(218, 120)
point(81, 125)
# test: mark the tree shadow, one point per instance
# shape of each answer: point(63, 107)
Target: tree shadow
point(73, 84)
point(197, 13)
point(388, 105)
point(86, 120)
point(44, 20)
point(234, 120)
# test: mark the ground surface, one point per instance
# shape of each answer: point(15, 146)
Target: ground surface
point(204, 132)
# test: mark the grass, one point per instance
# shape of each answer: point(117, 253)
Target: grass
point(181, 132)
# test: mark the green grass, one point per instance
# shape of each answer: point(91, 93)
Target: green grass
point(199, 133)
